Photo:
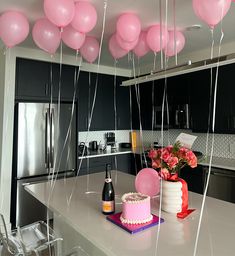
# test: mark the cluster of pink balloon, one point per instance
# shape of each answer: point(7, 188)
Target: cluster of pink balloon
point(129, 37)
point(74, 19)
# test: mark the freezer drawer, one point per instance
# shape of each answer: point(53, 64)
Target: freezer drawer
point(222, 184)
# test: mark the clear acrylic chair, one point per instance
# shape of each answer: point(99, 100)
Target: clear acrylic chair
point(34, 239)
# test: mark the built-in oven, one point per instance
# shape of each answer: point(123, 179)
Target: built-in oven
point(221, 184)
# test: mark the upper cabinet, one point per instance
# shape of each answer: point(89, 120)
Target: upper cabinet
point(204, 100)
point(111, 102)
point(43, 81)
point(39, 80)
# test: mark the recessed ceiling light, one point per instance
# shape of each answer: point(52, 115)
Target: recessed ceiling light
point(193, 27)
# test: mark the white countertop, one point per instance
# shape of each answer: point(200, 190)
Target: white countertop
point(98, 153)
point(176, 236)
point(219, 162)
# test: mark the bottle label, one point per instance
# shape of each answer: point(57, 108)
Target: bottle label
point(108, 206)
point(108, 180)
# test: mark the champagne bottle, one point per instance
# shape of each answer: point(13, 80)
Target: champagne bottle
point(108, 195)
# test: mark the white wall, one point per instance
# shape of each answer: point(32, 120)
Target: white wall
point(7, 97)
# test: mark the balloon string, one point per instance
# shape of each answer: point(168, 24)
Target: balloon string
point(212, 144)
point(94, 99)
point(160, 15)
point(174, 20)
point(138, 102)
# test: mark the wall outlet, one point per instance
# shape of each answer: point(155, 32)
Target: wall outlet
point(232, 147)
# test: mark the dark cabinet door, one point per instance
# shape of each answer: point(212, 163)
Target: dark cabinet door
point(123, 121)
point(103, 114)
point(40, 80)
point(64, 81)
point(201, 92)
point(124, 163)
point(85, 86)
point(195, 178)
point(32, 79)
point(225, 104)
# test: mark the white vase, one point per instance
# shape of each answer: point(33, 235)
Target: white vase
point(171, 196)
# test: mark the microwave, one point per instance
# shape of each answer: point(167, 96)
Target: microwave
point(175, 116)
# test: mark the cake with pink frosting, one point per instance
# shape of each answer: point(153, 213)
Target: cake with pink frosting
point(136, 208)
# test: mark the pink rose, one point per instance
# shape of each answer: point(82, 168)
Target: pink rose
point(165, 155)
point(172, 162)
point(156, 163)
point(164, 174)
point(182, 152)
point(153, 154)
point(169, 148)
point(191, 159)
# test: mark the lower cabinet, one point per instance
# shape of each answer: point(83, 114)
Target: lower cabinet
point(194, 178)
point(123, 163)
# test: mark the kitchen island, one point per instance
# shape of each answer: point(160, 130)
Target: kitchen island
point(76, 203)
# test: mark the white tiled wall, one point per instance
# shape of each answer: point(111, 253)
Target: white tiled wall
point(221, 141)
point(99, 136)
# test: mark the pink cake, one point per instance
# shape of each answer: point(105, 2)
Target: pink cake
point(136, 208)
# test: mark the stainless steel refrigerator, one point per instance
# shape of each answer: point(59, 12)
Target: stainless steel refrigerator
point(44, 142)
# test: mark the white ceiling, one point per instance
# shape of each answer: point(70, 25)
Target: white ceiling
point(148, 12)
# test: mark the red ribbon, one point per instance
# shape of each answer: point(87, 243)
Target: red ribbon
point(185, 211)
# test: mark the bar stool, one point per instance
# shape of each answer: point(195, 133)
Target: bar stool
point(33, 239)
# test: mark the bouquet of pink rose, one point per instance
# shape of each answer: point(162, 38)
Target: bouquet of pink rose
point(171, 159)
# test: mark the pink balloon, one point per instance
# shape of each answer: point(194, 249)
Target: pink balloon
point(85, 17)
point(126, 45)
point(73, 38)
point(90, 49)
point(147, 182)
point(157, 38)
point(142, 47)
point(14, 28)
point(46, 35)
point(175, 44)
point(211, 11)
point(128, 27)
point(59, 12)
point(114, 48)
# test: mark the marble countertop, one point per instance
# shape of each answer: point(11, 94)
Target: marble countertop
point(78, 202)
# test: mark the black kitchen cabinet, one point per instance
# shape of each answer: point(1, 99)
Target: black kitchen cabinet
point(101, 87)
point(93, 165)
point(123, 121)
point(195, 178)
point(123, 163)
point(201, 107)
point(32, 79)
point(40, 80)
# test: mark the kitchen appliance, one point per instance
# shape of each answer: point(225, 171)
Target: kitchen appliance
point(221, 184)
point(125, 145)
point(82, 149)
point(110, 139)
point(93, 145)
point(44, 141)
point(181, 120)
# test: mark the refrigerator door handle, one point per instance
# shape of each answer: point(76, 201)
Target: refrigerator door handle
point(52, 138)
point(47, 139)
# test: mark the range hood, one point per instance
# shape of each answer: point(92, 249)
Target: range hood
point(182, 69)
